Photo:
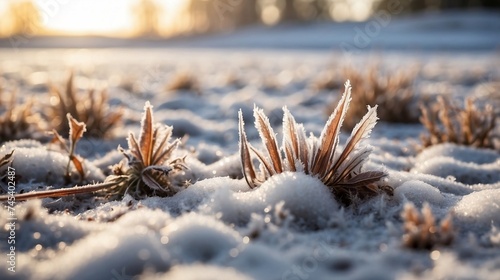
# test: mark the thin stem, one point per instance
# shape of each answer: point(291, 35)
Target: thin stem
point(59, 192)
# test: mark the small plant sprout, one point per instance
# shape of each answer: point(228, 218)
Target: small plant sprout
point(149, 168)
point(76, 130)
point(421, 231)
point(339, 170)
point(469, 126)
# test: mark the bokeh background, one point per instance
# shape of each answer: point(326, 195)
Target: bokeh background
point(167, 18)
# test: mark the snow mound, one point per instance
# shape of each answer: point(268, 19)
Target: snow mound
point(110, 252)
point(479, 210)
point(196, 238)
point(460, 153)
point(306, 198)
point(463, 164)
point(418, 192)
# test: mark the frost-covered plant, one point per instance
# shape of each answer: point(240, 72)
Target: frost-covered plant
point(339, 170)
point(421, 230)
point(184, 81)
point(469, 126)
point(76, 130)
point(19, 122)
point(149, 162)
point(392, 92)
point(92, 109)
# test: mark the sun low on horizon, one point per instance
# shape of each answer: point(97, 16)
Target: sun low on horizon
point(92, 17)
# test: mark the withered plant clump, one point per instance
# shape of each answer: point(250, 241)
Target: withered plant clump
point(421, 230)
point(90, 107)
point(446, 122)
point(184, 81)
point(18, 121)
point(147, 170)
point(392, 92)
point(339, 170)
point(148, 166)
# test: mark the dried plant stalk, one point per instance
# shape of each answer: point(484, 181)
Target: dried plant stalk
point(184, 81)
point(92, 109)
point(392, 92)
point(19, 122)
point(340, 171)
point(421, 230)
point(469, 126)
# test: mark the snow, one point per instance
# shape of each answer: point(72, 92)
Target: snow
point(291, 227)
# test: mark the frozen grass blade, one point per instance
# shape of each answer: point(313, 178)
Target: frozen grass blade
point(61, 192)
point(246, 159)
point(268, 139)
point(146, 136)
point(360, 131)
point(330, 134)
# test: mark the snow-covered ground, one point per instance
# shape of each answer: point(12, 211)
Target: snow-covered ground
point(288, 228)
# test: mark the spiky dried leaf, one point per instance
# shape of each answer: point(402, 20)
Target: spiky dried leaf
point(246, 159)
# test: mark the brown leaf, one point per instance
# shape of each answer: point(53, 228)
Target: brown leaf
point(364, 179)
point(330, 134)
point(76, 130)
point(360, 131)
point(78, 165)
point(6, 159)
point(246, 159)
point(268, 138)
point(146, 136)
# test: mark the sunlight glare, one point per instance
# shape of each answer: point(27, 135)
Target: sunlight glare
point(82, 17)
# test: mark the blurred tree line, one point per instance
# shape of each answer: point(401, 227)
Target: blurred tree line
point(201, 16)
point(22, 17)
point(215, 15)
